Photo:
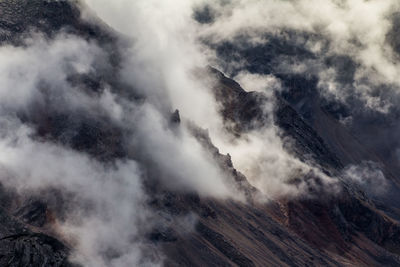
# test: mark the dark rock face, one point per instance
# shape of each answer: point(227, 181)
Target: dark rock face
point(17, 17)
point(32, 250)
point(241, 110)
point(33, 213)
point(19, 246)
point(223, 246)
point(22, 242)
point(331, 224)
point(175, 118)
point(308, 142)
point(204, 14)
point(326, 231)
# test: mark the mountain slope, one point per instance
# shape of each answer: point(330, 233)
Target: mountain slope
point(350, 228)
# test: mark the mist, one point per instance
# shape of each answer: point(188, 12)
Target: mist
point(166, 51)
point(163, 48)
point(108, 214)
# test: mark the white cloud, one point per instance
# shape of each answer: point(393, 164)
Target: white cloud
point(162, 64)
point(165, 53)
point(267, 84)
point(354, 28)
point(114, 194)
point(368, 176)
